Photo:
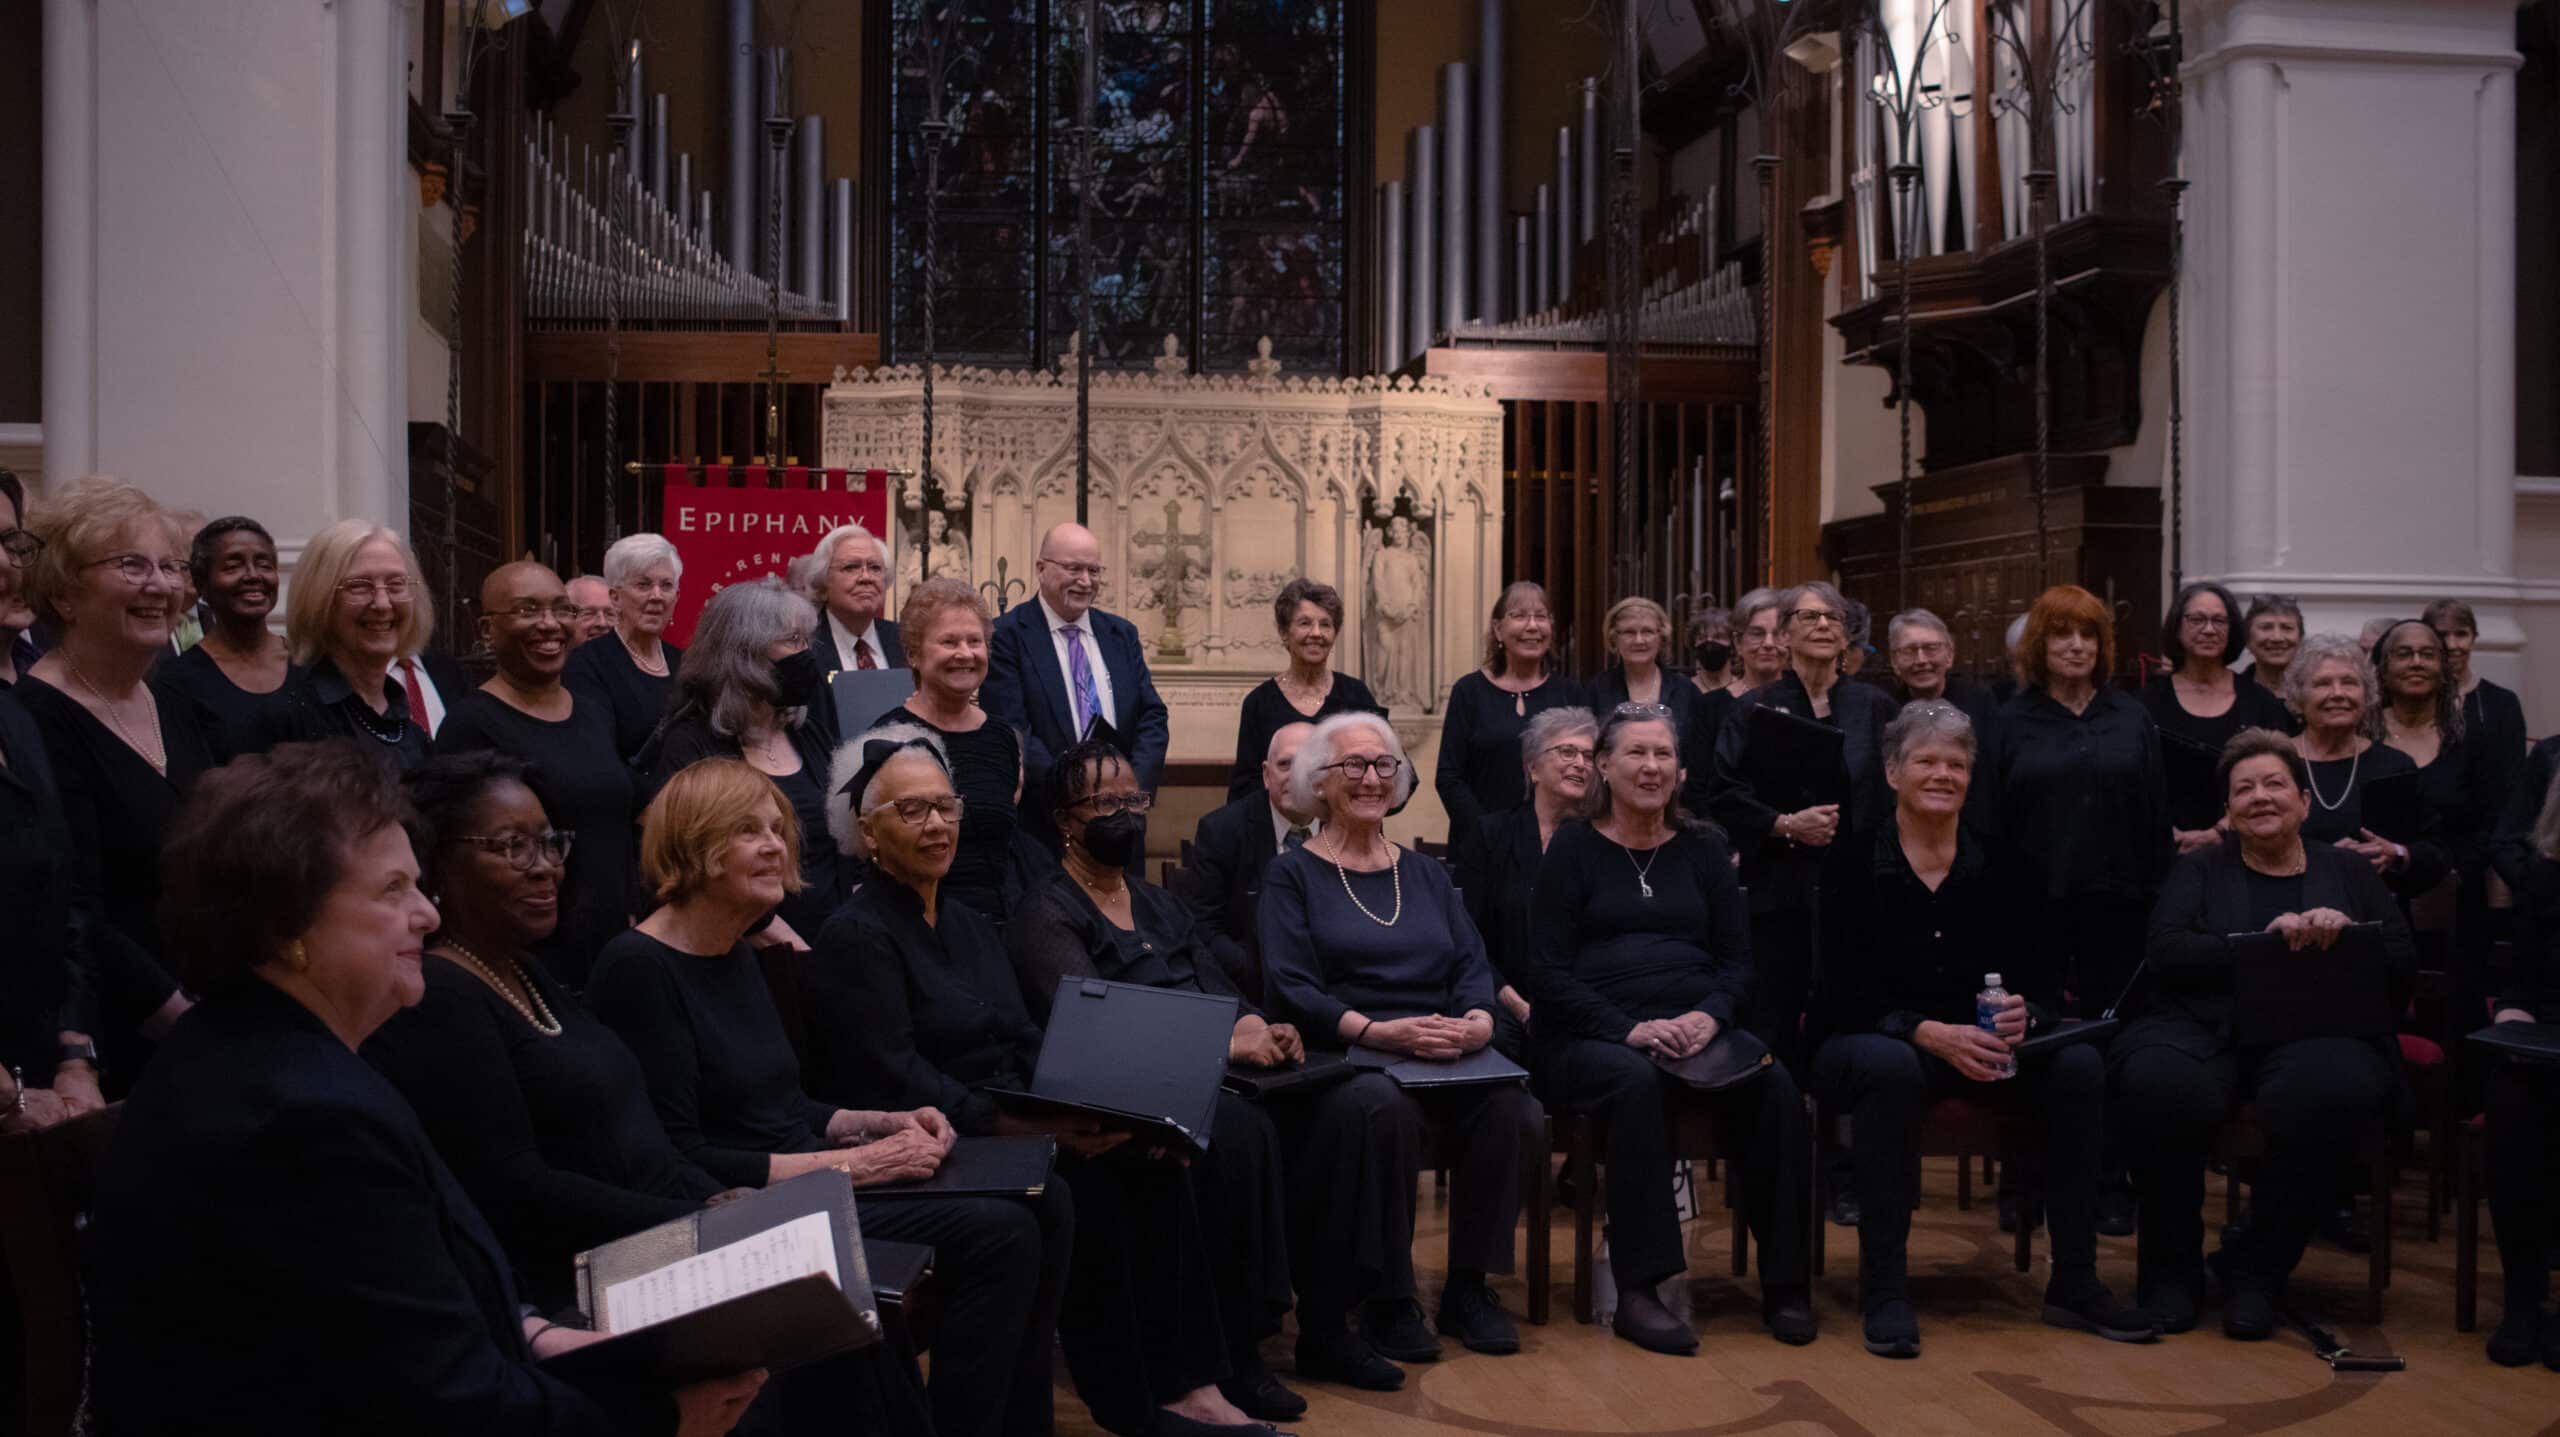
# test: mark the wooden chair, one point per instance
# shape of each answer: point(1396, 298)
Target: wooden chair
point(2241, 1142)
point(47, 1179)
point(1582, 1138)
point(1952, 1128)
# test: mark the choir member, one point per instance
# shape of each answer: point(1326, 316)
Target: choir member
point(125, 751)
point(2489, 709)
point(1710, 648)
point(913, 1001)
point(2460, 780)
point(2273, 625)
point(2493, 726)
point(2523, 1105)
point(2329, 686)
point(1497, 867)
point(279, 1248)
point(1921, 913)
point(945, 629)
point(2200, 699)
point(17, 649)
point(1757, 633)
point(1479, 767)
point(1232, 850)
point(1365, 944)
point(632, 676)
point(2177, 1074)
point(751, 689)
point(1097, 919)
point(355, 620)
point(1637, 628)
point(594, 600)
point(1922, 650)
point(235, 670)
point(685, 992)
point(1309, 617)
point(1642, 950)
point(1782, 852)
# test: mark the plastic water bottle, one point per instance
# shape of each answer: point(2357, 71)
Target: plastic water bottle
point(1988, 1005)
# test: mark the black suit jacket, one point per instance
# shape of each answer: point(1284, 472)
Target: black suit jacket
point(277, 1248)
point(1025, 688)
point(822, 642)
point(1234, 846)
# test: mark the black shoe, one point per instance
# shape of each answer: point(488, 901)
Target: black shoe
point(2173, 1304)
point(2117, 1213)
point(1260, 1396)
point(2087, 1306)
point(1643, 1320)
point(1893, 1329)
point(2518, 1340)
point(1844, 1209)
point(2248, 1308)
point(1471, 1313)
point(1788, 1314)
point(1343, 1357)
point(1395, 1329)
point(2340, 1226)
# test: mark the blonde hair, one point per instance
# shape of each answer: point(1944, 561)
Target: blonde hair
point(1633, 604)
point(81, 526)
point(311, 601)
point(693, 818)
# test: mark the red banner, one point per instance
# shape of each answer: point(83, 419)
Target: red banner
point(727, 535)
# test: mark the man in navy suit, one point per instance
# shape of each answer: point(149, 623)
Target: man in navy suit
point(1234, 845)
point(853, 587)
point(1058, 663)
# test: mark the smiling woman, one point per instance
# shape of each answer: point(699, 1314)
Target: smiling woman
point(359, 605)
point(945, 629)
point(240, 661)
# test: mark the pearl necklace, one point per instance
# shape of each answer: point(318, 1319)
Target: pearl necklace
point(153, 753)
point(1395, 870)
point(656, 671)
point(535, 1011)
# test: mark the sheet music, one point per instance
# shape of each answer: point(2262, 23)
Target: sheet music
point(796, 1248)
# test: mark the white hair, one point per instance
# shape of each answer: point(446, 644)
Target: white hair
point(1913, 619)
point(844, 810)
point(636, 554)
point(825, 554)
point(1315, 756)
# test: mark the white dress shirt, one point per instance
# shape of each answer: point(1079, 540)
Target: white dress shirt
point(848, 647)
point(1092, 656)
point(1280, 826)
point(400, 672)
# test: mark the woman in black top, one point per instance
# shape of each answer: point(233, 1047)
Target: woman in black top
point(1781, 836)
point(1479, 768)
point(749, 690)
point(125, 751)
point(630, 670)
point(1755, 652)
point(912, 1000)
point(1095, 919)
point(2524, 1109)
point(2273, 628)
point(239, 666)
point(2201, 703)
point(944, 629)
point(1366, 946)
point(18, 549)
point(1919, 913)
point(1638, 628)
point(1643, 951)
point(686, 994)
point(1497, 867)
point(48, 972)
point(1309, 617)
point(2178, 1075)
point(2490, 710)
point(2329, 687)
point(525, 711)
point(356, 619)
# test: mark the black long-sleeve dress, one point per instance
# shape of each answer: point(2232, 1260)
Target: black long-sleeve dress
point(602, 670)
point(1266, 711)
point(237, 713)
point(986, 768)
point(1480, 769)
point(48, 969)
point(687, 738)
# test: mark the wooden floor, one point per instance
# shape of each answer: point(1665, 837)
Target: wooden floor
point(1987, 1366)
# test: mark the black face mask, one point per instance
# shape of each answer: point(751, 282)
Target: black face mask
point(798, 682)
point(1712, 655)
point(1116, 839)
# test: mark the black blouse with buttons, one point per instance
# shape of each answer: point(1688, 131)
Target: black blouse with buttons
point(1906, 954)
point(2076, 799)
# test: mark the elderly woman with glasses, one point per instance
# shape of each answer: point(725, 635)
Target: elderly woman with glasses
point(1479, 768)
point(913, 1000)
point(358, 609)
point(629, 670)
point(1365, 945)
point(1919, 913)
point(1498, 864)
point(1642, 952)
point(2329, 686)
point(2200, 702)
point(1783, 840)
point(1637, 629)
point(1754, 656)
point(1922, 650)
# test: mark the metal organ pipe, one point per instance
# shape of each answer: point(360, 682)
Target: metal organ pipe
point(840, 248)
point(739, 246)
point(635, 148)
point(809, 205)
point(1519, 266)
point(1587, 172)
point(1490, 15)
point(658, 148)
point(1568, 215)
point(1391, 269)
point(1422, 278)
point(1457, 216)
point(1542, 239)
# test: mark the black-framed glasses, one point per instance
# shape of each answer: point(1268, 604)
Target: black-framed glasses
point(1385, 766)
point(1816, 616)
point(530, 611)
point(137, 569)
point(523, 851)
point(913, 811)
point(1106, 804)
point(2205, 621)
point(21, 544)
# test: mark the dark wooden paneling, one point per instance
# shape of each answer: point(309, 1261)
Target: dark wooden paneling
point(666, 356)
point(1583, 375)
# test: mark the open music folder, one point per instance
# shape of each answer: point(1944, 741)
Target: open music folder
point(1140, 1060)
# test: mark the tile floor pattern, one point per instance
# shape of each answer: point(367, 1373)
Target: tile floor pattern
point(1987, 1366)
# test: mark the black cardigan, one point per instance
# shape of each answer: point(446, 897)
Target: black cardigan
point(1899, 953)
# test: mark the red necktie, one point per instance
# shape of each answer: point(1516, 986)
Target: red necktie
point(862, 656)
point(417, 697)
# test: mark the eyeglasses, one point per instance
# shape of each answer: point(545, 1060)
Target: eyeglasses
point(21, 545)
point(2205, 621)
point(649, 586)
point(1385, 766)
point(1814, 616)
point(1106, 804)
point(137, 569)
point(913, 811)
point(1569, 752)
point(595, 611)
point(1924, 651)
point(873, 567)
point(530, 612)
point(361, 591)
point(523, 850)
point(1076, 571)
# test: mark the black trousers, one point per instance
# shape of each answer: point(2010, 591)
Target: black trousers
point(2523, 1105)
point(2101, 940)
point(1002, 1269)
point(1887, 1085)
point(1244, 1221)
point(1355, 1152)
point(1782, 964)
point(1140, 1320)
point(874, 1390)
point(1763, 1120)
point(2174, 1087)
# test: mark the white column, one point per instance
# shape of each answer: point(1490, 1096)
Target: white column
point(2351, 296)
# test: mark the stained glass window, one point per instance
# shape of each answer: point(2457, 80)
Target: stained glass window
point(1220, 153)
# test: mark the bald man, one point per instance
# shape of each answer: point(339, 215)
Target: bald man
point(1057, 664)
point(1233, 847)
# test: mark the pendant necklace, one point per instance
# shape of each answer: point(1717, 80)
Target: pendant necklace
point(1644, 870)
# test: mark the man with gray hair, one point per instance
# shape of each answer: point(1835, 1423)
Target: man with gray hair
point(1922, 650)
point(1233, 847)
point(852, 591)
point(594, 598)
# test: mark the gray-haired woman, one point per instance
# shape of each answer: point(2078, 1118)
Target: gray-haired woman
point(746, 691)
point(1498, 862)
point(631, 671)
point(2330, 687)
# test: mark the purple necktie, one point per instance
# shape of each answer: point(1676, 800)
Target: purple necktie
point(1088, 699)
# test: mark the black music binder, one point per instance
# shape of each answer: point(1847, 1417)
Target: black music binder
point(2393, 807)
point(1314, 1071)
point(2535, 1043)
point(1484, 1065)
point(716, 1292)
point(1733, 1057)
point(2069, 1033)
point(1794, 763)
point(2281, 996)
point(2187, 770)
point(999, 1166)
point(864, 696)
point(1144, 1061)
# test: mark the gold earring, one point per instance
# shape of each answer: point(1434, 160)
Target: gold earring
point(296, 958)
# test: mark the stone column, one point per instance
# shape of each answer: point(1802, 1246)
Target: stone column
point(2350, 287)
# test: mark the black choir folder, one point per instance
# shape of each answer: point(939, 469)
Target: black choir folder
point(1484, 1065)
point(1143, 1061)
point(1794, 763)
point(863, 697)
point(2535, 1043)
point(2186, 771)
point(770, 1281)
point(1315, 1070)
point(2281, 996)
point(1003, 1166)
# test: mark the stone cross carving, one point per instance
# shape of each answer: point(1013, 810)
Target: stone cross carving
point(1171, 574)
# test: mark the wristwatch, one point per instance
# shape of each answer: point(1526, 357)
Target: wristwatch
point(81, 1052)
